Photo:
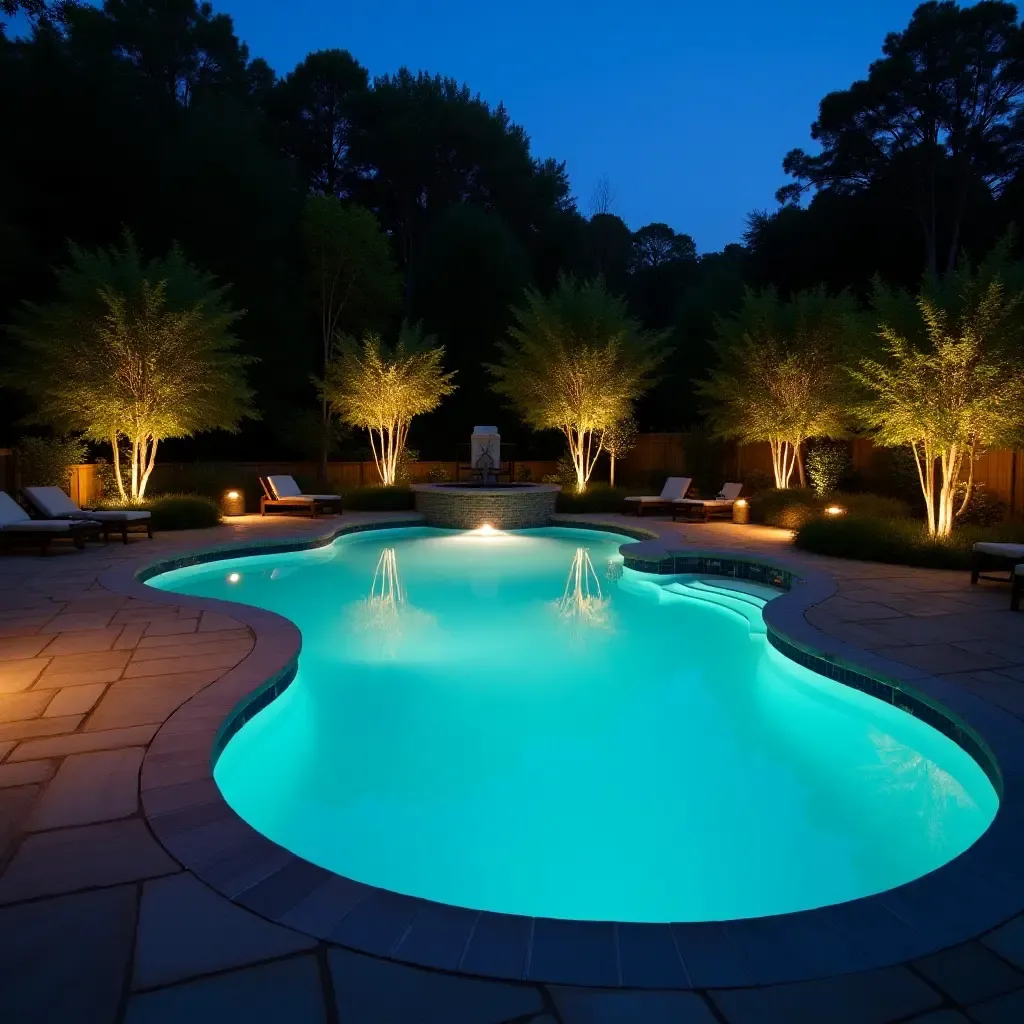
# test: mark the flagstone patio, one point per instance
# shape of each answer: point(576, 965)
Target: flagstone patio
point(100, 923)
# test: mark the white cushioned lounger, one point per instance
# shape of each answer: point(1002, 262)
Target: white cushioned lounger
point(53, 502)
point(286, 487)
point(15, 521)
point(675, 487)
point(1000, 550)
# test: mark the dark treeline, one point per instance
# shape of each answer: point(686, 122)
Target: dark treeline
point(154, 116)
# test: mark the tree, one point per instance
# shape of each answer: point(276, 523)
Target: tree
point(575, 362)
point(135, 351)
point(949, 382)
point(655, 245)
point(380, 389)
point(619, 439)
point(937, 121)
point(778, 378)
point(424, 143)
point(354, 277)
point(313, 107)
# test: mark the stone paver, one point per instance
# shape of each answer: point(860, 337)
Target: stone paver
point(599, 1006)
point(186, 929)
point(97, 916)
point(286, 992)
point(64, 959)
point(378, 992)
point(74, 700)
point(1007, 1009)
point(70, 859)
point(870, 998)
point(91, 787)
point(970, 974)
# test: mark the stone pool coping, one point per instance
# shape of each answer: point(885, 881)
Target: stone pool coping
point(185, 810)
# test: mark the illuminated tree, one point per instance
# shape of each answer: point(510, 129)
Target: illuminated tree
point(778, 378)
point(132, 351)
point(950, 380)
point(576, 362)
point(353, 275)
point(381, 388)
point(619, 439)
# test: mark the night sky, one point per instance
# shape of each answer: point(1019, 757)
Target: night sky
point(686, 107)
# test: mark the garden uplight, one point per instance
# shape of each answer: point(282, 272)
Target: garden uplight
point(834, 510)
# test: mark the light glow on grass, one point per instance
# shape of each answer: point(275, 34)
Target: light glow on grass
point(834, 510)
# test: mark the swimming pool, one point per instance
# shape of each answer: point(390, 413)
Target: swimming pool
point(515, 723)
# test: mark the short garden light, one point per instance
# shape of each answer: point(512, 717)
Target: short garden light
point(232, 503)
point(741, 511)
point(834, 510)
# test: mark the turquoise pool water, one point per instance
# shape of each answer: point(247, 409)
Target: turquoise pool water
point(516, 723)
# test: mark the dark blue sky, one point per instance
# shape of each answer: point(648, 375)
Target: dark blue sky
point(687, 106)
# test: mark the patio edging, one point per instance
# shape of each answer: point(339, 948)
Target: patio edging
point(972, 894)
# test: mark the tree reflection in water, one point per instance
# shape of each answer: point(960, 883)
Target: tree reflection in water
point(387, 614)
point(583, 606)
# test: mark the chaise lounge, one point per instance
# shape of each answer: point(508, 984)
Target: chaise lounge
point(53, 503)
point(16, 525)
point(675, 488)
point(285, 495)
point(703, 510)
point(990, 556)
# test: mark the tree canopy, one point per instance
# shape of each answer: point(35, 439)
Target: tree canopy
point(575, 362)
point(133, 350)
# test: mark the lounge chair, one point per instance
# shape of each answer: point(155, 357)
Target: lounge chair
point(675, 487)
point(698, 508)
point(53, 503)
point(990, 556)
point(16, 524)
point(284, 494)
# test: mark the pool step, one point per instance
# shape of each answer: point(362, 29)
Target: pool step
point(747, 606)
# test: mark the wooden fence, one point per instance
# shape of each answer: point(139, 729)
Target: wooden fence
point(660, 455)
point(213, 478)
point(654, 457)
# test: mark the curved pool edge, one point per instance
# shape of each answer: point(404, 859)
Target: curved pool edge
point(970, 895)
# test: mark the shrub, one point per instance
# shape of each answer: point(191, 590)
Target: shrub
point(378, 499)
point(756, 481)
point(828, 462)
point(524, 474)
point(873, 506)
point(788, 508)
point(437, 475)
point(47, 461)
point(176, 511)
point(564, 475)
point(984, 508)
point(897, 541)
point(596, 498)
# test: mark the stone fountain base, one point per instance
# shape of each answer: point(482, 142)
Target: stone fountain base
point(503, 506)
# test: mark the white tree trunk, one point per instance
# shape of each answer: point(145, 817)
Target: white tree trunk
point(117, 467)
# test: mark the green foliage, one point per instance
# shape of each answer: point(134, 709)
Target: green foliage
point(914, 127)
point(596, 498)
point(134, 350)
point(777, 378)
point(575, 362)
point(792, 507)
point(897, 541)
point(314, 107)
point(381, 388)
point(378, 499)
point(437, 475)
point(983, 509)
point(47, 461)
point(949, 382)
point(788, 507)
point(175, 511)
point(828, 462)
point(564, 474)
